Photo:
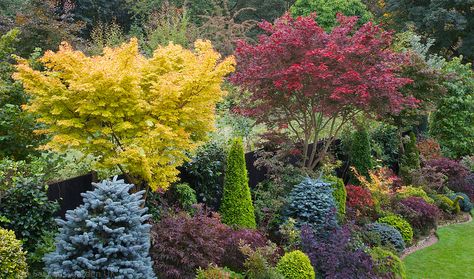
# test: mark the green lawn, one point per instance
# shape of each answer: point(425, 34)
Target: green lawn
point(452, 257)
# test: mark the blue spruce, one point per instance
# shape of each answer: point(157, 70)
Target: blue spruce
point(106, 237)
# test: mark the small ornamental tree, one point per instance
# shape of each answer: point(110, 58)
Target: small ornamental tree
point(326, 10)
point(104, 236)
point(304, 81)
point(360, 152)
point(139, 114)
point(236, 207)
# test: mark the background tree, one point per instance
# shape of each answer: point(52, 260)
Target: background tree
point(236, 206)
point(308, 84)
point(449, 22)
point(139, 114)
point(452, 123)
point(326, 11)
point(17, 139)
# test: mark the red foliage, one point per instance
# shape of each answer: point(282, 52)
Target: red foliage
point(298, 73)
point(359, 199)
point(181, 243)
point(233, 258)
point(429, 149)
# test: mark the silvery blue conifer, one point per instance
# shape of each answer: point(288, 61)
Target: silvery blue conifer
point(106, 237)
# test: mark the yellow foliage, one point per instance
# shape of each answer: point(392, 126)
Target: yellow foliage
point(380, 184)
point(142, 114)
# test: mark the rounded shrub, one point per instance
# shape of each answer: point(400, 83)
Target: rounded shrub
point(421, 215)
point(295, 265)
point(311, 202)
point(215, 272)
point(237, 208)
point(464, 203)
point(340, 195)
point(233, 257)
point(182, 243)
point(12, 257)
point(387, 264)
point(445, 204)
point(410, 191)
point(387, 235)
point(183, 195)
point(359, 200)
point(30, 212)
point(401, 225)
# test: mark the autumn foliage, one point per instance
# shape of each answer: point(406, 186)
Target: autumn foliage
point(303, 79)
point(139, 114)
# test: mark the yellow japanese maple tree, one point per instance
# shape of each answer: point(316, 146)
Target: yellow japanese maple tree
point(140, 114)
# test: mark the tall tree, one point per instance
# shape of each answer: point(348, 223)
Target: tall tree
point(304, 81)
point(326, 10)
point(449, 22)
point(139, 114)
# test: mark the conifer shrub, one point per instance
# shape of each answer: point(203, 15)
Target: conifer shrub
point(421, 215)
point(12, 257)
point(401, 225)
point(410, 160)
point(386, 235)
point(360, 151)
point(387, 264)
point(106, 236)
point(295, 265)
point(410, 191)
point(340, 195)
point(464, 202)
point(182, 243)
point(312, 203)
point(215, 272)
point(237, 208)
point(446, 204)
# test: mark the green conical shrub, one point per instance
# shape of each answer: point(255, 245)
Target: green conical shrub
point(360, 151)
point(236, 207)
point(410, 160)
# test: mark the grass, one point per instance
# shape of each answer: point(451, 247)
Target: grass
point(452, 257)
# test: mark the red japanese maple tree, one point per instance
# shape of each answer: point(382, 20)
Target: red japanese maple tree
point(304, 81)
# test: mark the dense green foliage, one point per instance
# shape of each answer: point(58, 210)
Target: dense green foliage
point(452, 122)
point(295, 265)
point(12, 257)
point(464, 202)
point(410, 160)
point(237, 208)
point(401, 225)
point(449, 22)
point(30, 212)
point(184, 195)
point(17, 139)
point(312, 203)
point(360, 151)
point(411, 191)
point(326, 10)
point(206, 169)
point(340, 195)
point(387, 264)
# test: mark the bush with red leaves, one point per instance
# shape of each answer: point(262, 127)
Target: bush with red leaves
point(233, 258)
point(421, 215)
point(181, 243)
point(456, 175)
point(359, 201)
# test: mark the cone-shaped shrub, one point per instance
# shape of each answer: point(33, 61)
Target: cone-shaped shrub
point(360, 152)
point(295, 265)
point(105, 237)
point(236, 207)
